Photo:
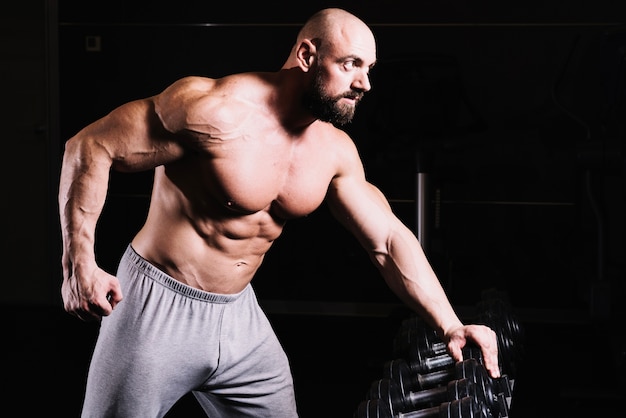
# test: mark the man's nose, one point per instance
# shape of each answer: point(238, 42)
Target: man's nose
point(362, 83)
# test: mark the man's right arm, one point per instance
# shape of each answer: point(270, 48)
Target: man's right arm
point(131, 138)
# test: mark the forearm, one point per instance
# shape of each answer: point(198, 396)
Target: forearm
point(82, 193)
point(408, 273)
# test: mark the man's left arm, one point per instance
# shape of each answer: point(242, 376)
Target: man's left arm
point(398, 255)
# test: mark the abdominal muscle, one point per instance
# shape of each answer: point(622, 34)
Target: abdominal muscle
point(214, 214)
point(215, 255)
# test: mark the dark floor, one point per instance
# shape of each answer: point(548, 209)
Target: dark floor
point(569, 369)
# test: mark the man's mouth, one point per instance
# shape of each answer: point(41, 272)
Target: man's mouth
point(354, 98)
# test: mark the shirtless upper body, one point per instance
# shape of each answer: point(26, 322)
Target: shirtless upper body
point(237, 176)
point(234, 159)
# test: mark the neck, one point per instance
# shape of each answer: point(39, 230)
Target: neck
point(290, 83)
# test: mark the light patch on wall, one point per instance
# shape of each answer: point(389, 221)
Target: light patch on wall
point(93, 43)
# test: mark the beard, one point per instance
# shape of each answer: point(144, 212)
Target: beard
point(326, 107)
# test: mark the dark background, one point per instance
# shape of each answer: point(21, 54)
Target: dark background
point(515, 111)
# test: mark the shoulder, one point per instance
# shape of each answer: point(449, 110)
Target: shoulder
point(198, 84)
point(191, 100)
point(195, 87)
point(190, 83)
point(340, 148)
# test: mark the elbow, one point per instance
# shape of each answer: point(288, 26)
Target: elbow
point(71, 151)
point(71, 144)
point(82, 152)
point(379, 254)
point(77, 144)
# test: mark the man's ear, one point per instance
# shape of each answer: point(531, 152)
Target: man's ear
point(306, 54)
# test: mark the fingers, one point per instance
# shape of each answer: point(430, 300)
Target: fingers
point(486, 338)
point(482, 336)
point(90, 298)
point(105, 304)
point(490, 357)
point(114, 297)
point(94, 310)
point(74, 308)
point(455, 352)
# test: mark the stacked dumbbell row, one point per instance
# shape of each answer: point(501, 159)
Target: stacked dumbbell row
point(400, 391)
point(424, 381)
point(459, 408)
point(421, 346)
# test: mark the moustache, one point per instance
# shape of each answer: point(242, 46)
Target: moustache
point(353, 95)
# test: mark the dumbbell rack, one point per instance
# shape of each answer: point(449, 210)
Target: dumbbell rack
point(423, 381)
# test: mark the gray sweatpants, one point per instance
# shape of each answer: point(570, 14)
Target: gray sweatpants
point(166, 339)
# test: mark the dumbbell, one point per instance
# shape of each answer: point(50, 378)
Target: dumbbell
point(495, 305)
point(426, 352)
point(422, 347)
point(496, 392)
point(390, 392)
point(420, 362)
point(492, 311)
point(414, 328)
point(460, 408)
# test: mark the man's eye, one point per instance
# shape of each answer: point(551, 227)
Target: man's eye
point(348, 65)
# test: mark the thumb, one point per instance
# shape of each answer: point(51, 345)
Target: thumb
point(455, 350)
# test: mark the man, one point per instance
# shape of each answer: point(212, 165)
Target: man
point(234, 159)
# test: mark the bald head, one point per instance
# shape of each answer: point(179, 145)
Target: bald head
point(331, 26)
point(328, 23)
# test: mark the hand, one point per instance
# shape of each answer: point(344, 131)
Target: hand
point(90, 297)
point(483, 336)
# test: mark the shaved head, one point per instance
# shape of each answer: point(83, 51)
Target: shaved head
point(332, 56)
point(329, 26)
point(328, 23)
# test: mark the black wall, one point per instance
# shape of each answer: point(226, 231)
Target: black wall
point(515, 110)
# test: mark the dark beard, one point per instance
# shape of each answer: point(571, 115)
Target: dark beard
point(327, 108)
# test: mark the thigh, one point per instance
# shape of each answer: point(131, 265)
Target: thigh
point(156, 346)
point(254, 377)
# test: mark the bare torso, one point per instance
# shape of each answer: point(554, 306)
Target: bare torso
point(215, 212)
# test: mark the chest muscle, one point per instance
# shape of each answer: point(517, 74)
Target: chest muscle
point(250, 179)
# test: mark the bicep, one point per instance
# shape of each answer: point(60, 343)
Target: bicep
point(363, 210)
point(356, 203)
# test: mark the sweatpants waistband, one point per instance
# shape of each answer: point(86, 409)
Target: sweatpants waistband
point(133, 260)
